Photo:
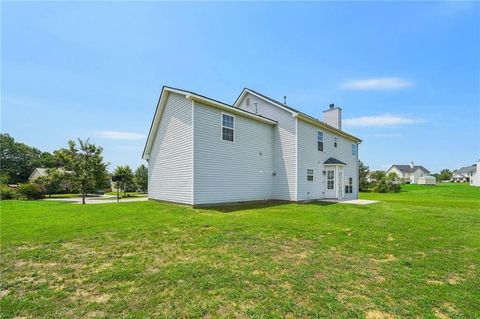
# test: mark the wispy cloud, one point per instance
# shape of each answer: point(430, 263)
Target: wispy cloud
point(391, 83)
point(381, 120)
point(116, 135)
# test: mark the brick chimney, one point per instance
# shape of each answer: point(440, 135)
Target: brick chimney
point(333, 116)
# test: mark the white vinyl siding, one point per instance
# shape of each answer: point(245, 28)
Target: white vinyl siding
point(170, 163)
point(310, 157)
point(285, 179)
point(226, 171)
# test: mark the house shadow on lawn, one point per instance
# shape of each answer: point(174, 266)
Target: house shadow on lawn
point(236, 207)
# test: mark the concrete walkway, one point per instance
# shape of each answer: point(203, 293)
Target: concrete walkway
point(351, 201)
point(97, 200)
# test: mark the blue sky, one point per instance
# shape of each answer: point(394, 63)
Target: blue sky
point(407, 74)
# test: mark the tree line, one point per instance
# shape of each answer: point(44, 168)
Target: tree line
point(81, 166)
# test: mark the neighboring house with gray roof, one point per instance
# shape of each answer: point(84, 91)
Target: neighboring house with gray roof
point(37, 172)
point(464, 174)
point(202, 151)
point(40, 171)
point(408, 173)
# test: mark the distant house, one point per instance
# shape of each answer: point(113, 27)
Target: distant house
point(408, 173)
point(475, 179)
point(202, 151)
point(464, 174)
point(40, 171)
point(37, 172)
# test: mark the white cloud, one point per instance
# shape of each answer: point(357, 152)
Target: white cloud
point(391, 83)
point(381, 120)
point(115, 135)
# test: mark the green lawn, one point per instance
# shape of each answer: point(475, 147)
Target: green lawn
point(414, 254)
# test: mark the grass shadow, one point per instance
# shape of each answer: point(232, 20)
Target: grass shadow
point(236, 207)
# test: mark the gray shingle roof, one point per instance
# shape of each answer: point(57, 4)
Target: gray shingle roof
point(332, 160)
point(466, 169)
point(409, 169)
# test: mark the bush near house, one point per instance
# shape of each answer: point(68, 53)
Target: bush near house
point(7, 192)
point(31, 191)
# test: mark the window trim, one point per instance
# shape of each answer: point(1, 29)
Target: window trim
point(331, 180)
point(230, 128)
point(310, 174)
point(322, 141)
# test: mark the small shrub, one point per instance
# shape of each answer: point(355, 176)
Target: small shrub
point(31, 191)
point(394, 187)
point(6, 192)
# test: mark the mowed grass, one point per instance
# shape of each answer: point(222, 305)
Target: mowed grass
point(414, 254)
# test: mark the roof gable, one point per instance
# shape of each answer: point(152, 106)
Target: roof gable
point(296, 113)
point(162, 100)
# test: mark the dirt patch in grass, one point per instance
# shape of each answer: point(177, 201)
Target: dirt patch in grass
point(454, 279)
point(377, 314)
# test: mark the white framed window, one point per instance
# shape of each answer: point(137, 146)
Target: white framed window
point(349, 186)
point(354, 149)
point(330, 179)
point(228, 127)
point(320, 141)
point(310, 175)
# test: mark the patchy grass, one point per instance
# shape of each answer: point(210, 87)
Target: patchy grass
point(414, 254)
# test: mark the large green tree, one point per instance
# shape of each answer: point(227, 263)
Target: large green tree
point(86, 162)
point(445, 175)
point(363, 172)
point(18, 160)
point(141, 178)
point(128, 182)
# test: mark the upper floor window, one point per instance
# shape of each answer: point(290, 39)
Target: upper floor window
point(228, 127)
point(310, 175)
point(320, 140)
point(247, 101)
point(354, 149)
point(335, 142)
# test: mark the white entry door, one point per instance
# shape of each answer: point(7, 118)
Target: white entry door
point(330, 190)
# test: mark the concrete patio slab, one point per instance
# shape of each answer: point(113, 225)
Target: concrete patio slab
point(350, 201)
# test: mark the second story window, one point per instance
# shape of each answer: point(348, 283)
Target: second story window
point(320, 141)
point(335, 141)
point(354, 149)
point(228, 127)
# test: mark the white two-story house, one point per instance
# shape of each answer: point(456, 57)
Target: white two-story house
point(201, 151)
point(408, 173)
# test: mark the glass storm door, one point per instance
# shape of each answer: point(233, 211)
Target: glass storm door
point(330, 191)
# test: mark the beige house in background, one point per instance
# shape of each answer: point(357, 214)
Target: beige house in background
point(409, 173)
